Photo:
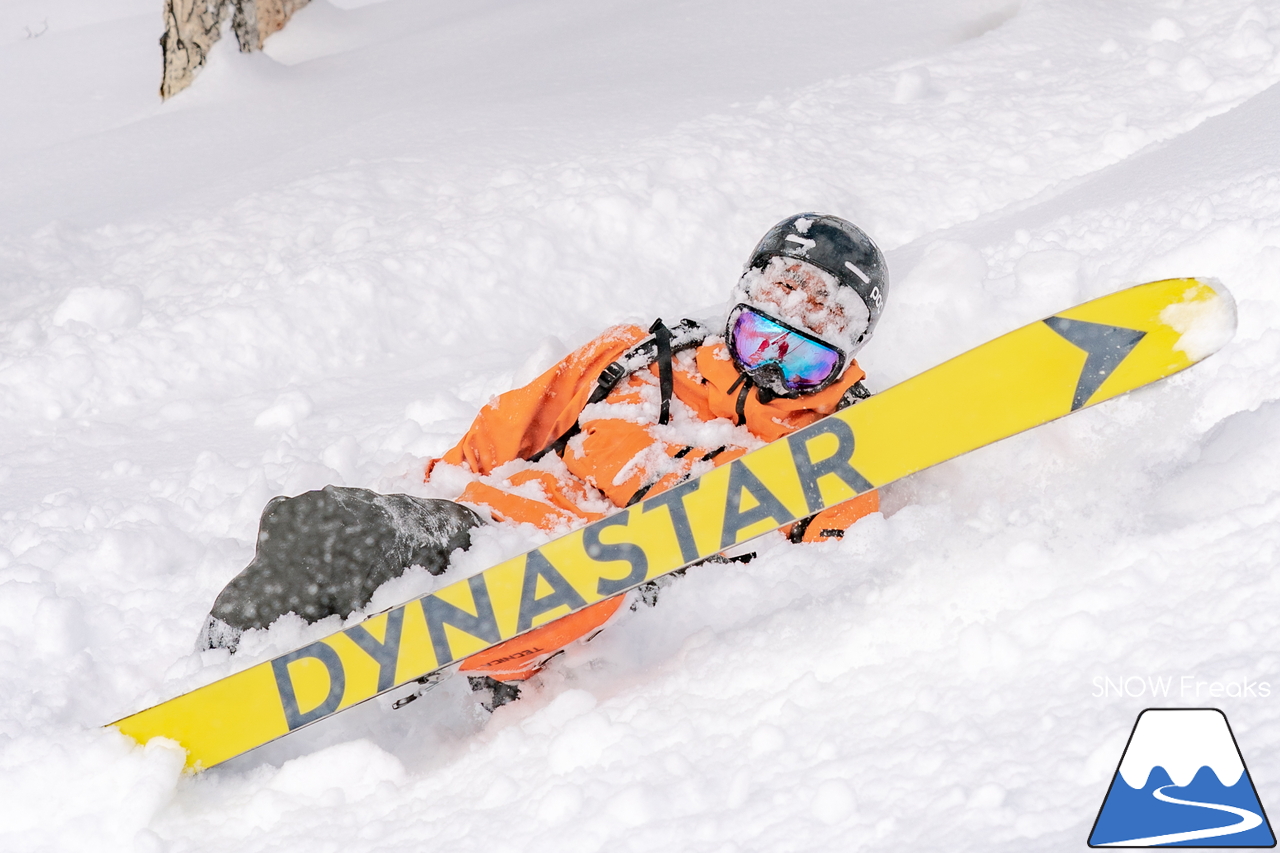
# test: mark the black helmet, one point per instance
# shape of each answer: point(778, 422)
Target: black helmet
point(836, 246)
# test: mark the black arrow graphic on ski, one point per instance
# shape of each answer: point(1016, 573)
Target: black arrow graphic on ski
point(1106, 346)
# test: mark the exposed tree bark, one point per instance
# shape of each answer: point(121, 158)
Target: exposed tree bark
point(192, 26)
point(190, 29)
point(254, 20)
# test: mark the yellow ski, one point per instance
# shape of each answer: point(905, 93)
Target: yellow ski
point(1033, 375)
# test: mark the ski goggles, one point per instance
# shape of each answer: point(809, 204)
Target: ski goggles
point(757, 340)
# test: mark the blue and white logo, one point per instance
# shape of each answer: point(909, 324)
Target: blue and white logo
point(1181, 783)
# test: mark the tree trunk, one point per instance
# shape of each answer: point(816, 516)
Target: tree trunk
point(192, 26)
point(254, 20)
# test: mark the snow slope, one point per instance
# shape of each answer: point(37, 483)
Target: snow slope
point(315, 265)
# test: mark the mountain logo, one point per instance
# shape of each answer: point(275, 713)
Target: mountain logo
point(1181, 783)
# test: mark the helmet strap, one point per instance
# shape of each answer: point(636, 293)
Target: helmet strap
point(743, 383)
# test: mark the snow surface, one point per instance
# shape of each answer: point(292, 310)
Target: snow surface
point(317, 263)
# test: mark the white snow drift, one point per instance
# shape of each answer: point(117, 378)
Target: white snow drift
point(315, 265)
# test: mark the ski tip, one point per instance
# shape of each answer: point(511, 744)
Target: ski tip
point(1204, 318)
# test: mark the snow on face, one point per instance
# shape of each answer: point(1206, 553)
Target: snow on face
point(808, 298)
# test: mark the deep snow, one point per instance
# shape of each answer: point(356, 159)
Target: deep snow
point(315, 265)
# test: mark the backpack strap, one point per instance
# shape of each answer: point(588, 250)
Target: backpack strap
point(660, 347)
point(666, 382)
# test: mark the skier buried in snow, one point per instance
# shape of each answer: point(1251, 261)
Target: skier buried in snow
point(627, 416)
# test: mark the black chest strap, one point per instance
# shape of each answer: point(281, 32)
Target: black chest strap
point(660, 347)
point(666, 382)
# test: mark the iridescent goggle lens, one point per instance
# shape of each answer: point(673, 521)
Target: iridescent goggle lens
point(758, 339)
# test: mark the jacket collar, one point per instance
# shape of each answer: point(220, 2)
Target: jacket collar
point(781, 415)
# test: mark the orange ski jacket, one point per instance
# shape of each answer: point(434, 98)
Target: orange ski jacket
point(621, 454)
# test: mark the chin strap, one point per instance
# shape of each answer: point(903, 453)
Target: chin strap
point(742, 385)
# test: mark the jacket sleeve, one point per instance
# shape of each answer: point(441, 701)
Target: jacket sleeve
point(519, 423)
point(832, 522)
